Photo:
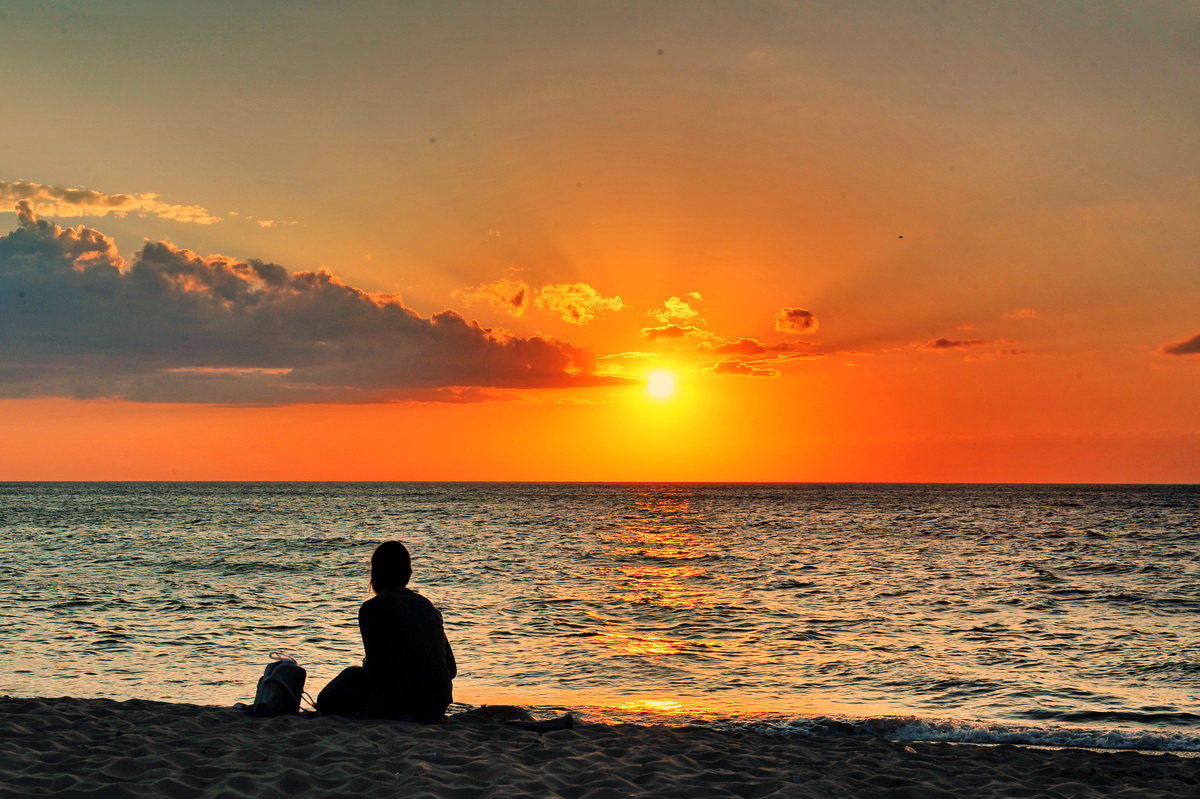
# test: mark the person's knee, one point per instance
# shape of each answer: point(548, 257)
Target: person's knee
point(346, 694)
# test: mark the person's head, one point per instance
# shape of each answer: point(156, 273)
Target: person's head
point(391, 566)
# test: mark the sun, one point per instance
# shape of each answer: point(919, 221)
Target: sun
point(660, 384)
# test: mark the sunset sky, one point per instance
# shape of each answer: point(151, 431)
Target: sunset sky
point(850, 241)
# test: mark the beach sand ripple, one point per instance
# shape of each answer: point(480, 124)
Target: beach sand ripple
point(102, 748)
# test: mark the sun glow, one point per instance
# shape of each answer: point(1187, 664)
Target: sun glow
point(660, 384)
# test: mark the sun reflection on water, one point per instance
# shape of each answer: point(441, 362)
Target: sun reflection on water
point(656, 561)
point(661, 585)
point(645, 645)
point(668, 706)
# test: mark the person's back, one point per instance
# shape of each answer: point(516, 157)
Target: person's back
point(409, 663)
point(409, 666)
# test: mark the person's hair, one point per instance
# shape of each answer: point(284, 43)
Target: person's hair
point(391, 566)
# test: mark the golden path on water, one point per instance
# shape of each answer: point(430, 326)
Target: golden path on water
point(656, 562)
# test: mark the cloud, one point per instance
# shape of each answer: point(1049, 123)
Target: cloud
point(743, 346)
point(741, 369)
point(577, 303)
point(677, 320)
point(673, 331)
point(753, 348)
point(795, 320)
point(58, 201)
point(630, 356)
point(505, 294)
point(1189, 346)
point(943, 344)
point(677, 310)
point(953, 343)
point(1022, 313)
point(173, 325)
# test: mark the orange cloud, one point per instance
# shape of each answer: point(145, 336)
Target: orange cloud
point(750, 348)
point(674, 331)
point(1022, 313)
point(678, 310)
point(795, 320)
point(577, 303)
point(505, 294)
point(741, 369)
point(59, 201)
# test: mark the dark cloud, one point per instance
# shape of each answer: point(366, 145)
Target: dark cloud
point(177, 326)
point(954, 343)
point(741, 369)
point(1189, 346)
point(795, 320)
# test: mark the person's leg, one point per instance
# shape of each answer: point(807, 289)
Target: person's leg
point(346, 694)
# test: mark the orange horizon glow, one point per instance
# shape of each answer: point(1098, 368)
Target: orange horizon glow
point(679, 243)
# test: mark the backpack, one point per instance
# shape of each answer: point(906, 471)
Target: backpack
point(280, 687)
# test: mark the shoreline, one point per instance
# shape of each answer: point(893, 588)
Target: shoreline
point(68, 746)
point(834, 722)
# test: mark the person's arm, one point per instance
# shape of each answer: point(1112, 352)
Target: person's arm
point(371, 627)
point(451, 665)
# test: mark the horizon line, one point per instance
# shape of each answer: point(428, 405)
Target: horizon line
point(608, 482)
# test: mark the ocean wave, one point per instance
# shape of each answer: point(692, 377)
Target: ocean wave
point(1165, 717)
point(907, 728)
point(914, 728)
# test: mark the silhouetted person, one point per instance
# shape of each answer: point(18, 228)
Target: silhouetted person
point(409, 665)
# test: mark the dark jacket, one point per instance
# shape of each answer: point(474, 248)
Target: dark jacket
point(409, 662)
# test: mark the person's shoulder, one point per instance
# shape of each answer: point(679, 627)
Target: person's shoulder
point(408, 596)
point(397, 596)
point(378, 603)
point(394, 597)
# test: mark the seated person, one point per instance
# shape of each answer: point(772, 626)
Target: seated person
point(409, 666)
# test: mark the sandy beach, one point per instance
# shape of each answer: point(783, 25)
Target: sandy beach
point(99, 747)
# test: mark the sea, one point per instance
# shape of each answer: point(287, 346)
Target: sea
point(1063, 615)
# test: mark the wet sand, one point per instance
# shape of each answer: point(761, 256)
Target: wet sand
point(102, 748)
